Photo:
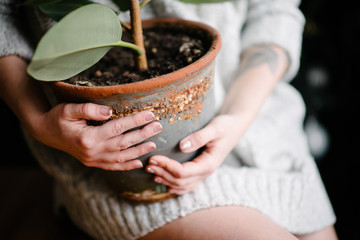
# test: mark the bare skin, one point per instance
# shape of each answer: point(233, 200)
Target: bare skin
point(108, 147)
point(64, 127)
point(222, 223)
point(228, 223)
point(262, 67)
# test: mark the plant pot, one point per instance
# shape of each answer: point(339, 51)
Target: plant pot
point(182, 101)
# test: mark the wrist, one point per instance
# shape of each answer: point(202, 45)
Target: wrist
point(26, 100)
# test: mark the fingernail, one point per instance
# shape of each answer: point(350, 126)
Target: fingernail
point(157, 180)
point(150, 170)
point(157, 128)
point(149, 117)
point(105, 111)
point(151, 147)
point(139, 164)
point(185, 145)
point(153, 162)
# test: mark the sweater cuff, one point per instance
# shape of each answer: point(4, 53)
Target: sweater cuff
point(279, 23)
point(12, 39)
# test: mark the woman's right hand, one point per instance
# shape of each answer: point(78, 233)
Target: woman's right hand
point(108, 146)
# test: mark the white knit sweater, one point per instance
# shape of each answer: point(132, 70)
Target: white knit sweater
point(270, 169)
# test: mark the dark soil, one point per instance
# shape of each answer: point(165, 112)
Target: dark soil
point(167, 50)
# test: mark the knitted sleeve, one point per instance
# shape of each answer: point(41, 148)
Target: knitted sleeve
point(13, 39)
point(278, 22)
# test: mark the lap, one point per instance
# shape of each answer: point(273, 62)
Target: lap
point(230, 222)
point(327, 233)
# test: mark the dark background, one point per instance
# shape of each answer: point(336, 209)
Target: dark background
point(330, 47)
point(331, 43)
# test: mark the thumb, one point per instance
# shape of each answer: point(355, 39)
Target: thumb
point(198, 139)
point(88, 111)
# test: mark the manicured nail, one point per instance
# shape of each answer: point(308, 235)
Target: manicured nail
point(139, 164)
point(152, 147)
point(157, 180)
point(153, 162)
point(150, 117)
point(157, 128)
point(105, 111)
point(150, 170)
point(185, 145)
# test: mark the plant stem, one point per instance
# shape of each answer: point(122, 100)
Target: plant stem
point(134, 47)
point(137, 34)
point(144, 3)
point(125, 26)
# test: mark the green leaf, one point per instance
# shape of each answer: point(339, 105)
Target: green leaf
point(204, 1)
point(58, 9)
point(76, 42)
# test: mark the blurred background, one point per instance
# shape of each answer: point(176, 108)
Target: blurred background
point(327, 79)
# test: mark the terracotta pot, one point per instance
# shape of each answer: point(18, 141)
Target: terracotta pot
point(183, 102)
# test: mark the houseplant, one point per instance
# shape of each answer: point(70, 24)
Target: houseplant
point(181, 100)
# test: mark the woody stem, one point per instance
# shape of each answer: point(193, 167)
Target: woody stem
point(137, 34)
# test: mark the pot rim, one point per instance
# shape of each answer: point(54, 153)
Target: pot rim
point(99, 92)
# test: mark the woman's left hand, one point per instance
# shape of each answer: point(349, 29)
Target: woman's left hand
point(261, 68)
point(218, 137)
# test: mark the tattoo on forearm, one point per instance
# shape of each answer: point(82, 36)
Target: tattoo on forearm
point(263, 55)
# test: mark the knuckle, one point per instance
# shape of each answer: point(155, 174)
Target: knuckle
point(122, 144)
point(85, 109)
point(86, 142)
point(118, 127)
point(126, 155)
point(65, 110)
point(211, 168)
point(219, 131)
point(142, 149)
point(179, 183)
point(120, 158)
point(145, 132)
point(178, 174)
point(198, 139)
point(137, 119)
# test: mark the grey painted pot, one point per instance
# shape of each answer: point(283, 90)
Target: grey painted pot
point(182, 101)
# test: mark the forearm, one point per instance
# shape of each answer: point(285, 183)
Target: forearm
point(260, 70)
point(21, 93)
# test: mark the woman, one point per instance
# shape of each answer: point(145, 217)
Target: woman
point(255, 177)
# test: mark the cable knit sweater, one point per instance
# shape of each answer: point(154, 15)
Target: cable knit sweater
point(270, 169)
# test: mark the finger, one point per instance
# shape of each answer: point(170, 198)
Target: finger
point(128, 154)
point(129, 139)
point(198, 139)
point(171, 166)
point(203, 165)
point(118, 126)
point(200, 166)
point(181, 191)
point(123, 166)
point(164, 177)
point(178, 190)
point(121, 125)
point(88, 111)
